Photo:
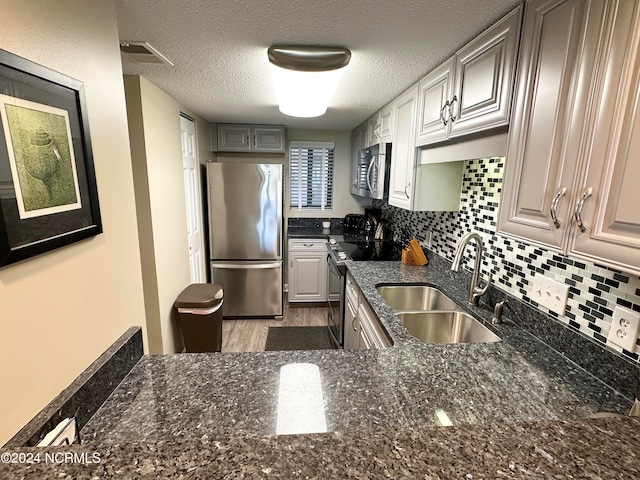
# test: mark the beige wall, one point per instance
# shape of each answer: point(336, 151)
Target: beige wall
point(154, 126)
point(343, 201)
point(59, 311)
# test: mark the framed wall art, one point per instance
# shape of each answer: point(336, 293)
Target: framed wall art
point(48, 193)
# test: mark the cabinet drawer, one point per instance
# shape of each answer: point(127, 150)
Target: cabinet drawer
point(308, 245)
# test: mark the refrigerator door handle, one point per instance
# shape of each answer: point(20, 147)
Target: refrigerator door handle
point(279, 206)
point(246, 266)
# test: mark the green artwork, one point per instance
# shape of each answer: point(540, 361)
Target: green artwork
point(43, 159)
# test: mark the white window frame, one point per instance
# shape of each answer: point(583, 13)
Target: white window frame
point(301, 189)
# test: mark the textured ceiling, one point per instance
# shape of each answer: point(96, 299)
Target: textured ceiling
point(219, 48)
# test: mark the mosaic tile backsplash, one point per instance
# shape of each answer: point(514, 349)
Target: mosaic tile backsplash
point(594, 290)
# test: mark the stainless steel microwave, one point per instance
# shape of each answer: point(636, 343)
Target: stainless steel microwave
point(374, 167)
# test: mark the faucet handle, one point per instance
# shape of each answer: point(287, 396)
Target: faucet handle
point(479, 291)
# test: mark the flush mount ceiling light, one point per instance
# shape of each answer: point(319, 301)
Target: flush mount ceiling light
point(306, 77)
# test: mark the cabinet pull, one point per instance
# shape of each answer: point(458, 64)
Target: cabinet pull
point(308, 244)
point(442, 117)
point(452, 117)
point(353, 324)
point(579, 206)
point(248, 142)
point(405, 190)
point(554, 207)
point(255, 140)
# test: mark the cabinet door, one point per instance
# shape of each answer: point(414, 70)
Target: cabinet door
point(373, 130)
point(403, 153)
point(268, 139)
point(371, 332)
point(484, 76)
point(610, 214)
point(351, 326)
point(234, 138)
point(307, 277)
point(434, 104)
point(364, 135)
point(559, 43)
point(386, 124)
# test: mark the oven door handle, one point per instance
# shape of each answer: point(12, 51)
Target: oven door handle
point(332, 266)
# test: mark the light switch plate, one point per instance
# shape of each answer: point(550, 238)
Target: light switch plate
point(624, 328)
point(549, 293)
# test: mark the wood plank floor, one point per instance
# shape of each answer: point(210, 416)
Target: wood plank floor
point(250, 335)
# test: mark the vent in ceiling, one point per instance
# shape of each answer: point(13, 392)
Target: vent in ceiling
point(142, 52)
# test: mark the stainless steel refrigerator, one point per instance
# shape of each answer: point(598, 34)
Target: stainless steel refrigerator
point(245, 230)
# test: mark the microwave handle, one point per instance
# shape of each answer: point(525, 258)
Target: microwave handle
point(371, 189)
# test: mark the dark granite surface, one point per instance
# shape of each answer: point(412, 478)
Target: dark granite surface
point(86, 393)
point(519, 410)
point(203, 396)
point(595, 449)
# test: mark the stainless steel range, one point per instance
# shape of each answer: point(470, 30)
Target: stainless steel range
point(355, 247)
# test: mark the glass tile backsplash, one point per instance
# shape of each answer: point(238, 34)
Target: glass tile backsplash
point(594, 290)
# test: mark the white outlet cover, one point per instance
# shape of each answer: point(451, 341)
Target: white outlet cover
point(549, 293)
point(624, 328)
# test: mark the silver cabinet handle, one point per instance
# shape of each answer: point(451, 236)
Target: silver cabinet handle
point(442, 116)
point(453, 100)
point(554, 207)
point(308, 244)
point(405, 190)
point(579, 206)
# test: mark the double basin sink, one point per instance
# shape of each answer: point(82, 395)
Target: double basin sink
point(431, 316)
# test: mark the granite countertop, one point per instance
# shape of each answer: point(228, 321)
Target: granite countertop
point(206, 395)
point(519, 409)
point(594, 449)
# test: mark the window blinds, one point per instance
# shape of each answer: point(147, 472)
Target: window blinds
point(311, 175)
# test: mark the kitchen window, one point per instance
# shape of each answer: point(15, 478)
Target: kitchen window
point(311, 175)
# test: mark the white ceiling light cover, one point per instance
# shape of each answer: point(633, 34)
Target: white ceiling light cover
point(306, 77)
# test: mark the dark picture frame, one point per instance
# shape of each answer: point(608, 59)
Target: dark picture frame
point(48, 190)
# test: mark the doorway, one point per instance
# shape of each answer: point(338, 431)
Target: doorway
point(190, 168)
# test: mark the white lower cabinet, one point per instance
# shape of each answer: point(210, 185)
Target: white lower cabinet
point(351, 326)
point(372, 334)
point(362, 330)
point(307, 270)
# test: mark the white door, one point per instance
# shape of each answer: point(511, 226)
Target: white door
point(192, 198)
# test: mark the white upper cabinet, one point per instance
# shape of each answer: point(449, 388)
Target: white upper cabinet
point(403, 152)
point(558, 54)
point(607, 196)
point(434, 114)
point(386, 123)
point(251, 138)
point(472, 91)
point(572, 165)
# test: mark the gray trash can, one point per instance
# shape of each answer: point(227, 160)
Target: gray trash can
point(200, 310)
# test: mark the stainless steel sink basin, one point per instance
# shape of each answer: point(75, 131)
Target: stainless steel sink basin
point(446, 327)
point(415, 297)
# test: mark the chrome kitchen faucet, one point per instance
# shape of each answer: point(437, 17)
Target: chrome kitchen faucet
point(475, 291)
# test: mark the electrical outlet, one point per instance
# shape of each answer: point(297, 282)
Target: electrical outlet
point(624, 328)
point(549, 293)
